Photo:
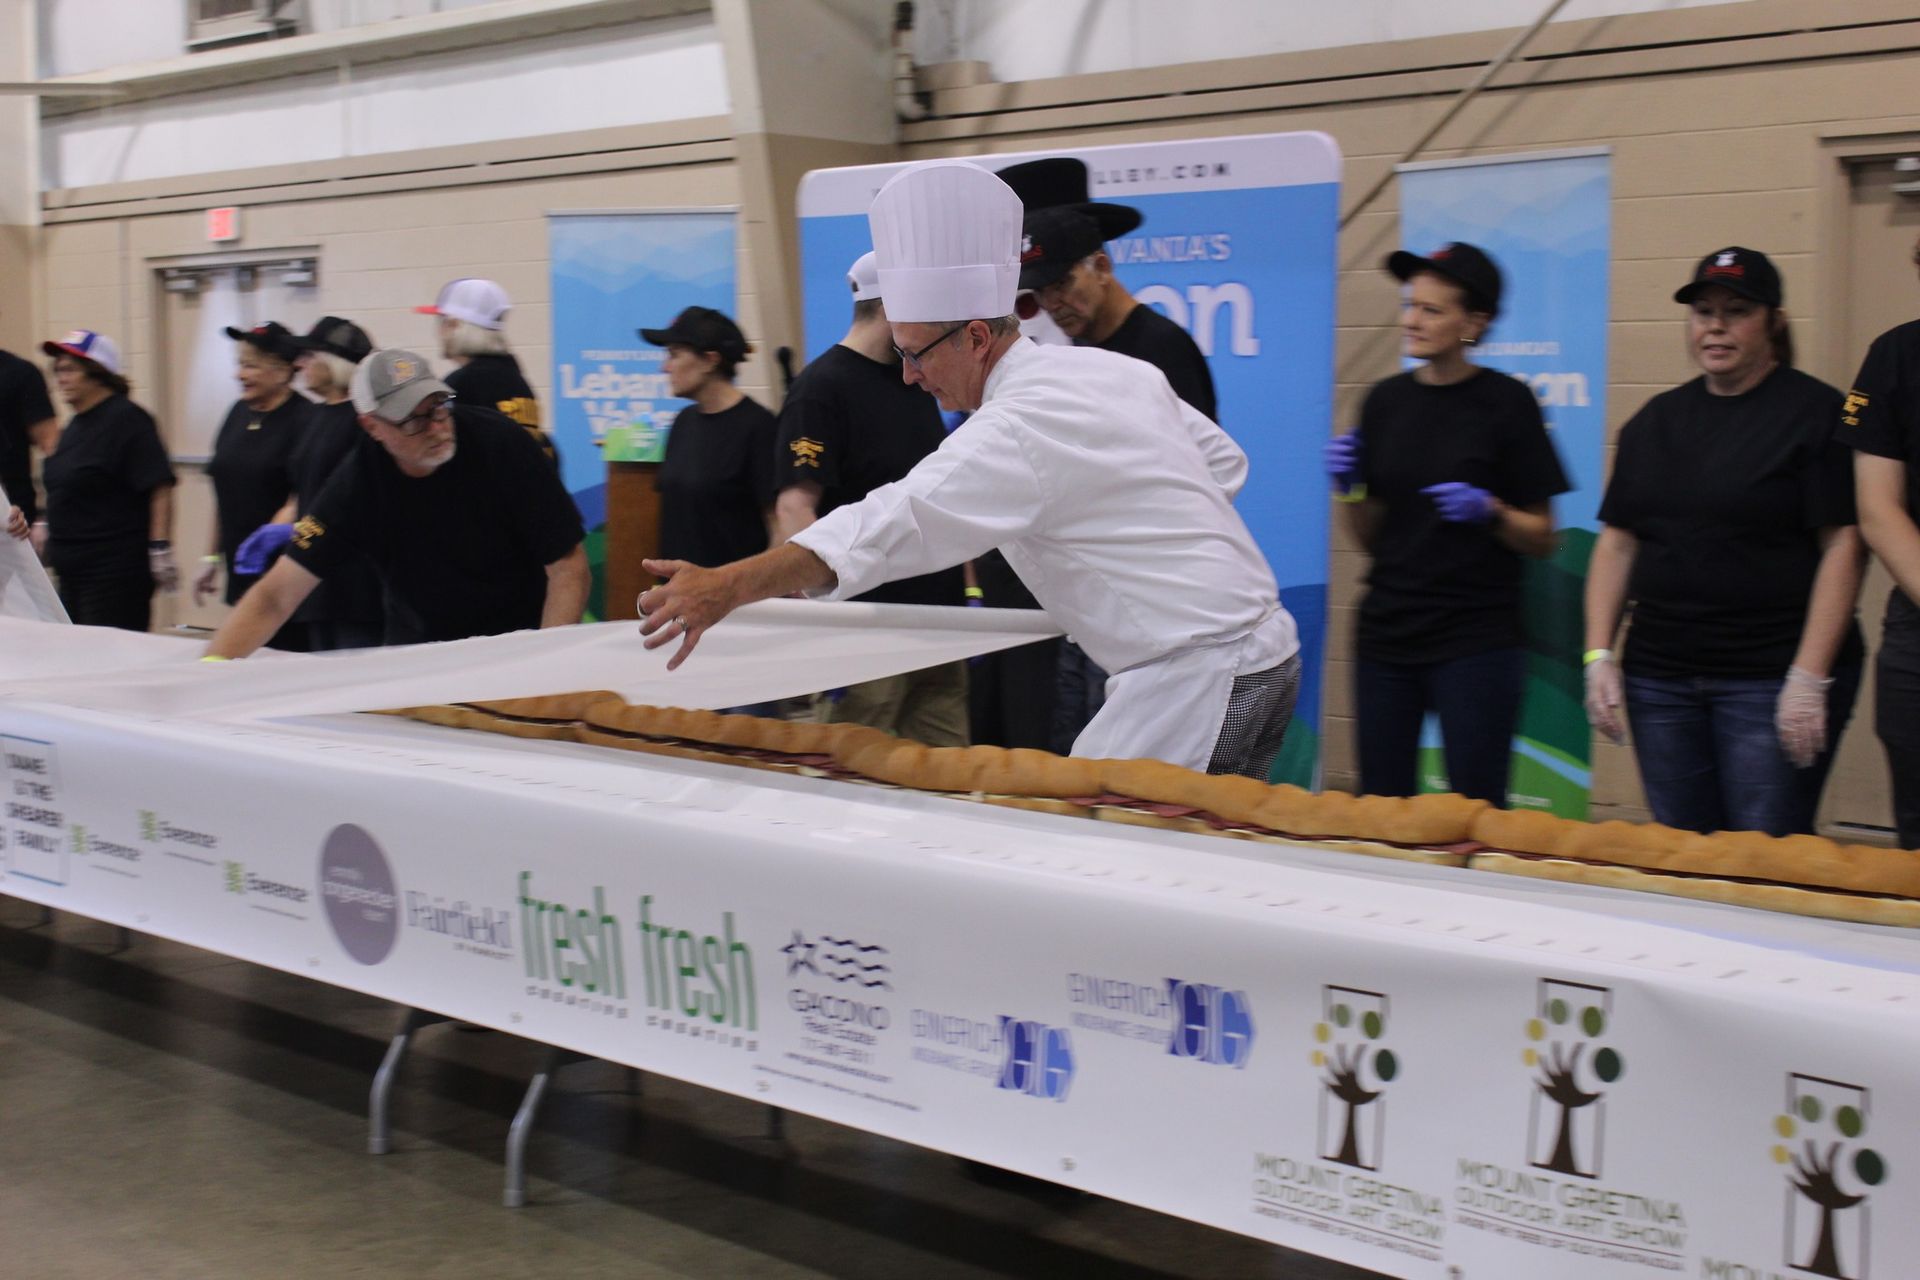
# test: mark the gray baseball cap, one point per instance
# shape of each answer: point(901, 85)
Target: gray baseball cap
point(391, 384)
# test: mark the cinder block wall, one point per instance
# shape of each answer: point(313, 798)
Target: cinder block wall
point(1723, 123)
point(1708, 150)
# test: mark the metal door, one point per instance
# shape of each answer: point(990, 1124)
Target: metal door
point(1880, 292)
point(199, 300)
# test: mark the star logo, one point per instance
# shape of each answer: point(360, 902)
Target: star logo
point(799, 954)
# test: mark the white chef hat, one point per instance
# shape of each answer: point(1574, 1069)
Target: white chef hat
point(946, 235)
point(863, 277)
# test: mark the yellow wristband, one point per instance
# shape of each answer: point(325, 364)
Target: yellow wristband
point(1356, 494)
point(215, 657)
point(976, 593)
point(1592, 656)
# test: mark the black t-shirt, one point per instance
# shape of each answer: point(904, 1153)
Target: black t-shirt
point(716, 484)
point(1724, 495)
point(99, 480)
point(252, 475)
point(23, 402)
point(1147, 335)
point(1881, 416)
point(352, 591)
point(495, 382)
point(1438, 590)
point(463, 551)
point(851, 425)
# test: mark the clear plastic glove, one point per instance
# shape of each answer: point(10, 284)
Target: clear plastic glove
point(1604, 698)
point(206, 582)
point(17, 526)
point(39, 537)
point(1800, 716)
point(1460, 502)
point(166, 574)
point(253, 554)
point(1343, 454)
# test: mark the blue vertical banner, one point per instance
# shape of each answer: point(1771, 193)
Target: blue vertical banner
point(614, 272)
point(1238, 247)
point(1546, 219)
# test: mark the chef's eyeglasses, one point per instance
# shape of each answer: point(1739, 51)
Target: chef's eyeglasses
point(912, 359)
point(440, 410)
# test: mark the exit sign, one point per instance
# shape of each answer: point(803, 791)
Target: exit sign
point(223, 225)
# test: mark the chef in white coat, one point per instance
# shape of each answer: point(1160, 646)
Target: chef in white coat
point(1110, 498)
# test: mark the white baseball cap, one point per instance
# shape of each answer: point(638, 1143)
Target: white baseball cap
point(947, 237)
point(477, 301)
point(87, 345)
point(863, 277)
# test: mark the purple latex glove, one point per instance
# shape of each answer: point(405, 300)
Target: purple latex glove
point(1460, 502)
point(253, 554)
point(1343, 461)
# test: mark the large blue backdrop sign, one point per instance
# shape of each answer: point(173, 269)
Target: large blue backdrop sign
point(1237, 247)
point(614, 272)
point(1546, 221)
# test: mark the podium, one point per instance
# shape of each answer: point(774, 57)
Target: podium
point(633, 534)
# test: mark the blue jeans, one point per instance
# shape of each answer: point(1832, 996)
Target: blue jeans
point(1477, 699)
point(1710, 757)
point(1079, 691)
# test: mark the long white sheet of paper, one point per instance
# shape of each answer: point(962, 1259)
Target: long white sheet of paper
point(775, 649)
point(25, 591)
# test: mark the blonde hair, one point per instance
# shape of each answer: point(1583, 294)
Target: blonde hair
point(465, 339)
point(336, 371)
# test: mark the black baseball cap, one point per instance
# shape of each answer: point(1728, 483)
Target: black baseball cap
point(1051, 241)
point(338, 337)
point(1466, 265)
point(703, 329)
point(272, 337)
point(1747, 272)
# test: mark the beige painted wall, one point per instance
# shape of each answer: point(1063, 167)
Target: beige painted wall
point(1733, 137)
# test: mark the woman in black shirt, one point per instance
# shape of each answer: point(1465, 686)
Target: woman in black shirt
point(250, 467)
point(109, 492)
point(717, 480)
point(1448, 481)
point(1729, 523)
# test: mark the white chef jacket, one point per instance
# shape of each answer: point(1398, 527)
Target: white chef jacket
point(1112, 500)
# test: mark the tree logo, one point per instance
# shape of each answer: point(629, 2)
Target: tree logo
point(1566, 1125)
point(1358, 1070)
point(1829, 1118)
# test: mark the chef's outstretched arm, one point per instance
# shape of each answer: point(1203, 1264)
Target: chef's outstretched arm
point(693, 599)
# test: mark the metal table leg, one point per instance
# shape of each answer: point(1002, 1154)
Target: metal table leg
point(515, 1194)
point(378, 1131)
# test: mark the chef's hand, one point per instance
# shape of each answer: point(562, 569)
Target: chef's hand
point(1800, 716)
point(684, 606)
point(166, 574)
point(1461, 503)
point(1604, 696)
point(252, 555)
point(17, 526)
point(1342, 455)
point(207, 581)
point(39, 538)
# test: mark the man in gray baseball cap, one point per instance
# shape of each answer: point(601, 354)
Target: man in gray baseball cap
point(454, 504)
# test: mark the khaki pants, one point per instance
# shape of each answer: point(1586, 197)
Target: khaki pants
point(927, 706)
